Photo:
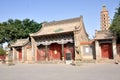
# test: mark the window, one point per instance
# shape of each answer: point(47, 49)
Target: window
point(86, 49)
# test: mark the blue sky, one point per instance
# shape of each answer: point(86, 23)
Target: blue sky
point(50, 10)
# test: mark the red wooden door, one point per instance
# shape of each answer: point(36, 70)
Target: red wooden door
point(55, 52)
point(41, 54)
point(106, 51)
point(20, 54)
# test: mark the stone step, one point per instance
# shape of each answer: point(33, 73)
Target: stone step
point(105, 61)
point(88, 61)
point(51, 62)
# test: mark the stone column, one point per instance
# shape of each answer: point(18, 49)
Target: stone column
point(78, 54)
point(23, 54)
point(97, 50)
point(13, 54)
point(33, 49)
point(114, 48)
point(7, 57)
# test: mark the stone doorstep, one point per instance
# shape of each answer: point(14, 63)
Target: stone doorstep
point(74, 62)
point(98, 61)
point(68, 61)
point(40, 62)
point(51, 62)
point(88, 61)
point(29, 62)
point(95, 61)
point(105, 61)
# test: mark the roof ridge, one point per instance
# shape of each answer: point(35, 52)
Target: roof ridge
point(62, 21)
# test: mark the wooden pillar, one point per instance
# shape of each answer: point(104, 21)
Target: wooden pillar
point(63, 52)
point(46, 52)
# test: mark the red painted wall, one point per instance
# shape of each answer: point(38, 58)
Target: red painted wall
point(2, 57)
point(55, 52)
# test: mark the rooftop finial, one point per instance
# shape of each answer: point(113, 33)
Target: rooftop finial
point(104, 5)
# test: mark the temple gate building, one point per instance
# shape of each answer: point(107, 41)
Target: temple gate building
point(59, 40)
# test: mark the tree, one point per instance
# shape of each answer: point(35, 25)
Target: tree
point(115, 26)
point(17, 29)
point(2, 52)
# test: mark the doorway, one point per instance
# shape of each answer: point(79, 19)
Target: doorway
point(106, 50)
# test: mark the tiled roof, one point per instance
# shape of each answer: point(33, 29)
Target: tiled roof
point(56, 27)
point(62, 21)
point(106, 34)
point(20, 42)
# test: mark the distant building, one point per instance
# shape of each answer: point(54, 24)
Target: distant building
point(105, 40)
point(21, 50)
point(104, 18)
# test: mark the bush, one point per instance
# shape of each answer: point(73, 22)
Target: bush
point(2, 52)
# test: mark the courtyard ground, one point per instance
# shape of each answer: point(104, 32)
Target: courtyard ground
point(90, 71)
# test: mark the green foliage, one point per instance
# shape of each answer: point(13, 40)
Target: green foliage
point(17, 29)
point(2, 52)
point(115, 26)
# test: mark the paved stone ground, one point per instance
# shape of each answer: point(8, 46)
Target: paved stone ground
point(60, 72)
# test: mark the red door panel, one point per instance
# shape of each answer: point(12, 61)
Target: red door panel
point(106, 51)
point(55, 51)
point(20, 54)
point(41, 54)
